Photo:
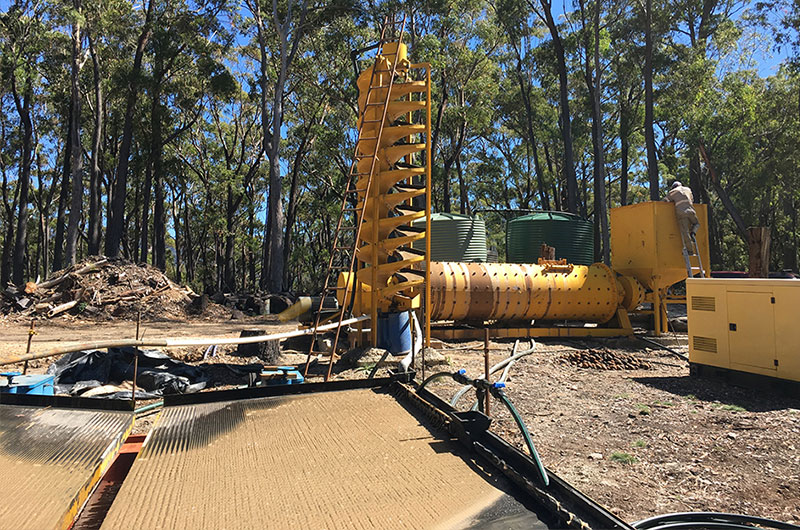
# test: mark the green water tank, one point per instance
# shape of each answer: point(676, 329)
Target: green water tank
point(570, 235)
point(455, 237)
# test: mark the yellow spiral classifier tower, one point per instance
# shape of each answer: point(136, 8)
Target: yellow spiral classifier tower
point(390, 273)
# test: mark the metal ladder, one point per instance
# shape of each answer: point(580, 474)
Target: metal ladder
point(343, 251)
point(691, 269)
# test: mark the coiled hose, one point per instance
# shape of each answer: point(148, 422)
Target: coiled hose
point(496, 389)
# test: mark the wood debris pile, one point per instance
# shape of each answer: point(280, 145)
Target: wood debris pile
point(604, 360)
point(103, 288)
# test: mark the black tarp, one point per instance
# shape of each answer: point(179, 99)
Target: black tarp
point(158, 374)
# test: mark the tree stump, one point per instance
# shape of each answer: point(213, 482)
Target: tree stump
point(267, 351)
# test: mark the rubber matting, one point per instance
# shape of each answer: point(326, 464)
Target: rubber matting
point(346, 459)
point(50, 459)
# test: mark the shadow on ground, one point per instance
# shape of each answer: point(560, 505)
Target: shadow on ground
point(717, 390)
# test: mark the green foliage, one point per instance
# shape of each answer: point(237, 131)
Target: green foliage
point(623, 458)
point(499, 148)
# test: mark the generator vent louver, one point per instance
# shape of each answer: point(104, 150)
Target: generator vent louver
point(704, 303)
point(706, 344)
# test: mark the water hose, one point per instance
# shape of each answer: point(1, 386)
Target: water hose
point(697, 520)
point(495, 389)
point(525, 434)
point(505, 363)
point(434, 377)
point(147, 408)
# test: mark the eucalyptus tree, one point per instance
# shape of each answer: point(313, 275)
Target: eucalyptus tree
point(513, 17)
point(24, 36)
point(283, 26)
point(544, 11)
point(185, 48)
point(116, 211)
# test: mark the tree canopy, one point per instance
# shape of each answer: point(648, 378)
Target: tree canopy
point(213, 138)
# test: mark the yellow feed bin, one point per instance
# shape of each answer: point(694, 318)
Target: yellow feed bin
point(646, 244)
point(744, 326)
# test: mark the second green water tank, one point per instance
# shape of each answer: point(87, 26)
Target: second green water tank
point(570, 235)
point(455, 237)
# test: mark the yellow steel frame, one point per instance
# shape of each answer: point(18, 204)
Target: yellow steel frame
point(428, 156)
point(619, 326)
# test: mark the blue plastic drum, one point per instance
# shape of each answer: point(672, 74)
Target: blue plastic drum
point(394, 330)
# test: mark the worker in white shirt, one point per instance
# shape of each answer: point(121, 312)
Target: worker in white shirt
point(687, 217)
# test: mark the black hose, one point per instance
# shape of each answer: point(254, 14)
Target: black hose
point(661, 346)
point(685, 520)
point(484, 388)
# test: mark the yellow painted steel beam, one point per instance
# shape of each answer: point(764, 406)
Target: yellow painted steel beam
point(456, 333)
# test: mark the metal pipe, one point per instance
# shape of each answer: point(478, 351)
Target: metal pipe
point(486, 368)
point(149, 407)
point(173, 343)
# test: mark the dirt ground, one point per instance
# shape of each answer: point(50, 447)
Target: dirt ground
point(649, 442)
point(642, 442)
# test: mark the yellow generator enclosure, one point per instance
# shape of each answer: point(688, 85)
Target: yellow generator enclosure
point(745, 325)
point(646, 243)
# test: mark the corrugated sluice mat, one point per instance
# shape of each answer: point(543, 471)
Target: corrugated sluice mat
point(346, 459)
point(50, 459)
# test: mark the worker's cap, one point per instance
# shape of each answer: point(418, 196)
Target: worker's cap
point(676, 184)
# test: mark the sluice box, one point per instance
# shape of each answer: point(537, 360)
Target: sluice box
point(745, 325)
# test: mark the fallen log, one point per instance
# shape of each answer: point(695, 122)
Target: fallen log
point(61, 308)
point(83, 270)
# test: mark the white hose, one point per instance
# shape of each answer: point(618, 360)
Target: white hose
point(504, 365)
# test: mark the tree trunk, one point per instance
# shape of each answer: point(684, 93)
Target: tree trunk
point(229, 273)
point(8, 243)
point(157, 159)
point(525, 91)
point(174, 207)
point(288, 48)
point(625, 142)
point(159, 212)
point(566, 124)
point(144, 221)
point(448, 163)
point(263, 78)
point(649, 134)
point(187, 238)
point(23, 106)
point(95, 197)
point(63, 197)
point(463, 197)
point(76, 202)
point(116, 222)
point(597, 137)
point(294, 197)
